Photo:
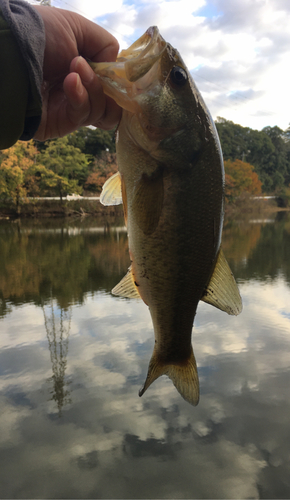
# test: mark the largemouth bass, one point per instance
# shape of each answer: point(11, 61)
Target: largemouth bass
point(171, 183)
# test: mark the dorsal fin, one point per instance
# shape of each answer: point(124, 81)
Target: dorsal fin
point(112, 192)
point(222, 291)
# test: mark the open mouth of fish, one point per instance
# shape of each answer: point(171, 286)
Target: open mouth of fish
point(135, 71)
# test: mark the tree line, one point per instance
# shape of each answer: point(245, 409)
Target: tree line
point(267, 151)
point(76, 163)
point(255, 162)
point(37, 266)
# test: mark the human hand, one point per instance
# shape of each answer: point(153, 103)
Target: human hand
point(72, 93)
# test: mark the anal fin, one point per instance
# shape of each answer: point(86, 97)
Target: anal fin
point(126, 287)
point(222, 291)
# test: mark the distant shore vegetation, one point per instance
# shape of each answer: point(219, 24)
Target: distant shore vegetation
point(256, 163)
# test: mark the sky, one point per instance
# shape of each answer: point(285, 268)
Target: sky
point(238, 51)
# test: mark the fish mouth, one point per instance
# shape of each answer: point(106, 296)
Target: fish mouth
point(135, 70)
point(140, 57)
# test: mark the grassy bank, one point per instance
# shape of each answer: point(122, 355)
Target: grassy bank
point(56, 208)
point(248, 205)
point(81, 207)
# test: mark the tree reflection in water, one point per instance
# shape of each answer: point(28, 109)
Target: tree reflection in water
point(57, 323)
point(55, 282)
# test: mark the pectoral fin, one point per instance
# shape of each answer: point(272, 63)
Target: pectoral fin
point(148, 201)
point(112, 192)
point(222, 290)
point(126, 287)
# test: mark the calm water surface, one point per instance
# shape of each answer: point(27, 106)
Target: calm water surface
point(73, 357)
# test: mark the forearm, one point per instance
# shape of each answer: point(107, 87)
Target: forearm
point(22, 43)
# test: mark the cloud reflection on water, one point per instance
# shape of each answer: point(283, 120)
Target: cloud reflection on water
point(109, 443)
point(156, 446)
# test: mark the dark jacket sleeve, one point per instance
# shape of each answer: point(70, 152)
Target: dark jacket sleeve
point(22, 43)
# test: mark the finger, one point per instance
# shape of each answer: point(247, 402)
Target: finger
point(78, 106)
point(75, 91)
point(103, 110)
point(92, 87)
point(111, 116)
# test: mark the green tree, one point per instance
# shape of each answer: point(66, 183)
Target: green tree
point(21, 175)
point(244, 143)
point(232, 139)
point(268, 150)
point(41, 181)
point(68, 163)
point(93, 141)
point(287, 134)
point(278, 165)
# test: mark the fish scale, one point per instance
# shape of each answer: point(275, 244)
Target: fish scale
point(171, 182)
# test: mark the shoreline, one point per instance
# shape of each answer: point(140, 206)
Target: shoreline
point(48, 208)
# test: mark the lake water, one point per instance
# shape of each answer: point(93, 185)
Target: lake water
point(73, 357)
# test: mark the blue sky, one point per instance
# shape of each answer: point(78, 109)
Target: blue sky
point(238, 51)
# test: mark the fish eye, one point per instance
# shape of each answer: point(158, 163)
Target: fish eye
point(178, 76)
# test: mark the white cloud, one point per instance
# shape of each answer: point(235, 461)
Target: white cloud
point(240, 56)
point(14, 326)
point(90, 8)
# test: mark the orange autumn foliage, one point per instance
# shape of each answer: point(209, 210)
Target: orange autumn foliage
point(105, 165)
point(240, 177)
point(15, 165)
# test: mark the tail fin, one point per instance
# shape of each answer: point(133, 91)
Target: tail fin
point(184, 377)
